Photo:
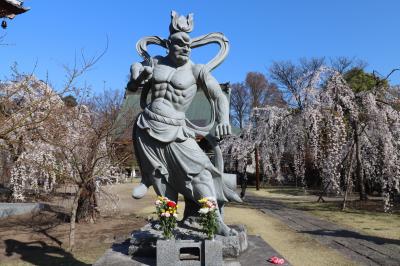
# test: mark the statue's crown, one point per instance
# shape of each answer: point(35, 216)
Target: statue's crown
point(180, 23)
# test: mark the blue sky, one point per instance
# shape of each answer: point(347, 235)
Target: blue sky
point(260, 32)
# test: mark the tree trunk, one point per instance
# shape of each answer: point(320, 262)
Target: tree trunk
point(87, 203)
point(359, 172)
point(348, 181)
point(324, 189)
point(257, 169)
point(73, 219)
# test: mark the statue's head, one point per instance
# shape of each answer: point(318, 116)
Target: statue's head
point(179, 48)
point(179, 40)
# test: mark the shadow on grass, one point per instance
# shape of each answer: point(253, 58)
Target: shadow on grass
point(42, 222)
point(39, 253)
point(314, 206)
point(289, 191)
point(255, 202)
point(123, 248)
point(354, 235)
point(371, 207)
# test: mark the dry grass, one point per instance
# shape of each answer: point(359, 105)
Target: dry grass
point(43, 239)
point(364, 217)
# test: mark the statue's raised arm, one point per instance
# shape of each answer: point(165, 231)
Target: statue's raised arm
point(213, 90)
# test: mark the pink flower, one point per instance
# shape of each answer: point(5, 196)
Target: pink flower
point(276, 260)
point(210, 204)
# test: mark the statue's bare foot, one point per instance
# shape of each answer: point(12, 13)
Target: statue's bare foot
point(139, 191)
point(225, 230)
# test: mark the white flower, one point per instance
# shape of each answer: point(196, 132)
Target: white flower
point(204, 210)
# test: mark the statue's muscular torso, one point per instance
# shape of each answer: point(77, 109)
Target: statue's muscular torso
point(173, 89)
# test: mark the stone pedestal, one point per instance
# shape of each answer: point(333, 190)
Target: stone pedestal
point(256, 254)
point(143, 242)
point(189, 253)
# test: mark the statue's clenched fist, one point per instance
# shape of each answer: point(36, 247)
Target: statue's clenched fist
point(223, 129)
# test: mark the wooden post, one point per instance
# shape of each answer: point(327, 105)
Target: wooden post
point(257, 169)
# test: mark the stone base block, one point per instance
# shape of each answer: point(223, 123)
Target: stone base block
point(189, 253)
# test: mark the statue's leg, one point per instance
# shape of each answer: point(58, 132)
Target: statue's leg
point(150, 155)
point(141, 153)
point(203, 186)
point(191, 175)
point(139, 191)
point(162, 188)
point(191, 208)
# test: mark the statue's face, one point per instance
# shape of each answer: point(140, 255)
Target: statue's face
point(179, 48)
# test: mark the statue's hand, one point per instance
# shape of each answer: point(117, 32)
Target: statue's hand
point(139, 75)
point(146, 74)
point(223, 129)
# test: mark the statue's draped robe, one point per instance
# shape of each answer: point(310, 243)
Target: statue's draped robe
point(171, 160)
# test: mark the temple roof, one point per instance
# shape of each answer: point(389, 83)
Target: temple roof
point(11, 8)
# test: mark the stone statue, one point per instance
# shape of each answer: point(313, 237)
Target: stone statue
point(169, 157)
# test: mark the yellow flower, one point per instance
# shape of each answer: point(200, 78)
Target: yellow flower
point(203, 200)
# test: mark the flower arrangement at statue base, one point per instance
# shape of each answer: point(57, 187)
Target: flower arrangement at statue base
point(208, 216)
point(166, 210)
